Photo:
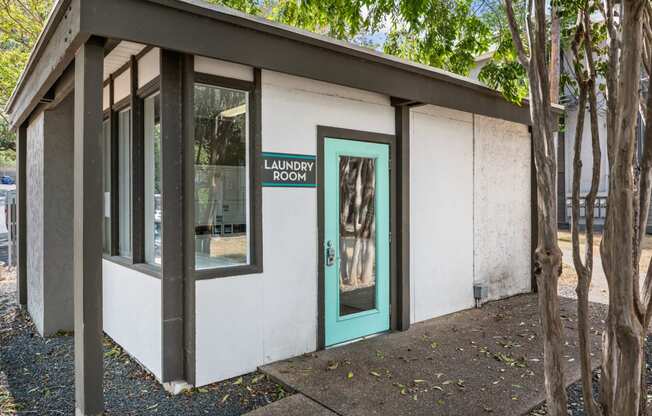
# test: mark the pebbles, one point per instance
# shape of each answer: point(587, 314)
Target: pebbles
point(37, 377)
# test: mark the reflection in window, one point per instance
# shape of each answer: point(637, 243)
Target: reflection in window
point(106, 223)
point(153, 212)
point(357, 234)
point(221, 177)
point(124, 182)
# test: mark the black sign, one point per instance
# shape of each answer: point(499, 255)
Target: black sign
point(288, 170)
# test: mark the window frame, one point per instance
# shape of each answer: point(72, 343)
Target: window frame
point(143, 94)
point(106, 118)
point(135, 100)
point(253, 89)
point(135, 103)
point(119, 109)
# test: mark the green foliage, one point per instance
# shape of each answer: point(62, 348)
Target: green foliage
point(447, 34)
point(504, 72)
point(443, 33)
point(21, 22)
point(246, 6)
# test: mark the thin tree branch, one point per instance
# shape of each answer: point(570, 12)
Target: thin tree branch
point(516, 37)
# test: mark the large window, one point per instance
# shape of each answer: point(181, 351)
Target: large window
point(125, 173)
point(153, 212)
point(221, 177)
point(106, 147)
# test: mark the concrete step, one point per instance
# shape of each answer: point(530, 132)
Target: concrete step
point(295, 405)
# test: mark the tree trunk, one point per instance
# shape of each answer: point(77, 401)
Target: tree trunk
point(584, 270)
point(547, 256)
point(555, 53)
point(585, 74)
point(625, 334)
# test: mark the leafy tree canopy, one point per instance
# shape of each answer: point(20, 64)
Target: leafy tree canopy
point(447, 34)
point(21, 22)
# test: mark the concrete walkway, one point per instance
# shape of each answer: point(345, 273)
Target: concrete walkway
point(474, 362)
point(295, 405)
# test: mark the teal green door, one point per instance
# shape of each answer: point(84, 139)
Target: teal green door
point(356, 239)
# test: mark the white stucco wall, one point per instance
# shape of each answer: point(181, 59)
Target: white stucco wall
point(470, 209)
point(441, 211)
point(502, 206)
point(132, 313)
point(245, 321)
point(35, 215)
point(49, 149)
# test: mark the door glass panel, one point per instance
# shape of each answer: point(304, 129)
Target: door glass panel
point(357, 234)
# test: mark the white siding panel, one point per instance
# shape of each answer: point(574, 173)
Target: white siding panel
point(148, 67)
point(441, 210)
point(223, 68)
point(106, 98)
point(502, 206)
point(245, 321)
point(132, 313)
point(121, 86)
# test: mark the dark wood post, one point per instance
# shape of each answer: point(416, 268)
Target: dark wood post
point(21, 217)
point(88, 214)
point(403, 215)
point(172, 202)
point(188, 83)
point(138, 167)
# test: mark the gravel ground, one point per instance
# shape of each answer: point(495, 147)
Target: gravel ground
point(598, 293)
point(575, 401)
point(36, 377)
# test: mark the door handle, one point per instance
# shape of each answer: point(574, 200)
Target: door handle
point(330, 253)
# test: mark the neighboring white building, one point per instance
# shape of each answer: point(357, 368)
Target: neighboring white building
point(348, 192)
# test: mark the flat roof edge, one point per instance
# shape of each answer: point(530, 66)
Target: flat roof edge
point(236, 17)
point(233, 17)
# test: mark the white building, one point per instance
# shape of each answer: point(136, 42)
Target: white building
point(312, 192)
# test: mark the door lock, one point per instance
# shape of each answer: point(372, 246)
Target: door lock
point(330, 254)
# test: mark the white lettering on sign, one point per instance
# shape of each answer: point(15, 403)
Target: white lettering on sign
point(281, 169)
point(289, 176)
point(295, 165)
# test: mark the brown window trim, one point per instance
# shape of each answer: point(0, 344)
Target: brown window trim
point(106, 117)
point(146, 268)
point(122, 105)
point(255, 265)
point(133, 102)
point(150, 88)
point(255, 189)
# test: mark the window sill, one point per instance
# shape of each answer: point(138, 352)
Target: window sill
point(145, 268)
point(218, 273)
point(206, 274)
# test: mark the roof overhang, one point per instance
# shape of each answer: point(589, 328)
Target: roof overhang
point(195, 27)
